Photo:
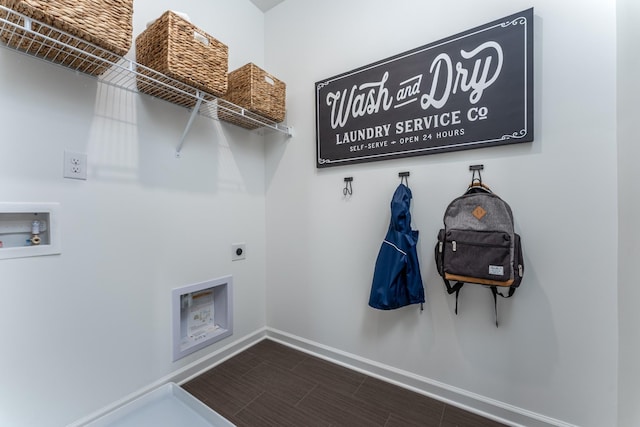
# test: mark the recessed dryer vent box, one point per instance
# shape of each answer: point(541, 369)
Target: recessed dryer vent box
point(202, 315)
point(29, 229)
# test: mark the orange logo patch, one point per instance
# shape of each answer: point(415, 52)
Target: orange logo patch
point(479, 212)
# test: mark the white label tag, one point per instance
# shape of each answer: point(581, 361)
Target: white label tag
point(496, 270)
point(269, 80)
point(201, 38)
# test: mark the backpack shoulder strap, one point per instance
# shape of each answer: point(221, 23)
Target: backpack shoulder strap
point(451, 289)
point(494, 291)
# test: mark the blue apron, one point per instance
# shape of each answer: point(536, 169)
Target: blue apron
point(396, 279)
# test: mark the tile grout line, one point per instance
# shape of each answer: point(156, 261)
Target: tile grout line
point(306, 357)
point(248, 403)
point(242, 376)
point(354, 394)
point(315, 386)
point(444, 407)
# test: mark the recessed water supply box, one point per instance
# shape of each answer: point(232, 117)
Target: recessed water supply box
point(202, 315)
point(29, 229)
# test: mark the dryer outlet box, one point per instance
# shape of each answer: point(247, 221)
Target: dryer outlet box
point(238, 251)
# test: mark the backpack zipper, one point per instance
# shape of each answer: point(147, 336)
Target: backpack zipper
point(454, 245)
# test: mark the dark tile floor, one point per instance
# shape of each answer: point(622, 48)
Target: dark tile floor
point(270, 384)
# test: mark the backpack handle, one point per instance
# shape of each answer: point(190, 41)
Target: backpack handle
point(477, 187)
point(476, 180)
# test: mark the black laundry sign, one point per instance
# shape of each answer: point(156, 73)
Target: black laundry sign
point(474, 89)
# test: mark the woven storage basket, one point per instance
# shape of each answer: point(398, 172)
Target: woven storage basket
point(256, 90)
point(180, 50)
point(104, 23)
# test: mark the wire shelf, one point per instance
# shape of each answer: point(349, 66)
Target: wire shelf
point(26, 35)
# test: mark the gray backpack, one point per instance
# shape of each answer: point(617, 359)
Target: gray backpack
point(478, 244)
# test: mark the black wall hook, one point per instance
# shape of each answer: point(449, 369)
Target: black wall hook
point(348, 189)
point(404, 178)
point(476, 169)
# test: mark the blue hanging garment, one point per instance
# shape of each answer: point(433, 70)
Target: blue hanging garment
point(396, 279)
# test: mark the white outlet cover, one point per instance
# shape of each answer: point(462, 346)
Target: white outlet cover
point(75, 165)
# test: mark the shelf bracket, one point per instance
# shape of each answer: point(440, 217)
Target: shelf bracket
point(194, 113)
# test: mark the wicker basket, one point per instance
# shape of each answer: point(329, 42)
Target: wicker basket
point(259, 92)
point(103, 23)
point(181, 51)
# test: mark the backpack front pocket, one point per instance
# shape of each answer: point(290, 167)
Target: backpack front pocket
point(478, 257)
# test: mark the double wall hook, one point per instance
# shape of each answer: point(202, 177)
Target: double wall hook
point(404, 178)
point(348, 189)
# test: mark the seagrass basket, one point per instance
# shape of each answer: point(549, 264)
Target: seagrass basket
point(259, 92)
point(106, 24)
point(180, 50)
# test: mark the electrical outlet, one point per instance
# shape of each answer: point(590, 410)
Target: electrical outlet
point(238, 251)
point(75, 165)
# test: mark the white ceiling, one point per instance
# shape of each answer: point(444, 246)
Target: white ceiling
point(265, 5)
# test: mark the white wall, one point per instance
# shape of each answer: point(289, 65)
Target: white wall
point(555, 353)
point(85, 328)
point(629, 232)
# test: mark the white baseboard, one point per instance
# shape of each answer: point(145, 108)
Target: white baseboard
point(472, 402)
